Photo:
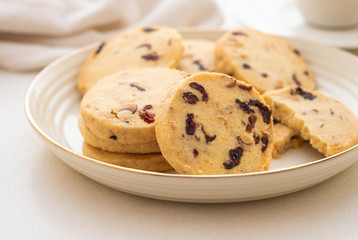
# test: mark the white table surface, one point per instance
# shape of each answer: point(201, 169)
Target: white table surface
point(43, 198)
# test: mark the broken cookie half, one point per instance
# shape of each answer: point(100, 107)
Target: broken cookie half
point(329, 125)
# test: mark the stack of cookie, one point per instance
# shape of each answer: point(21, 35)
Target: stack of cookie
point(140, 112)
point(118, 113)
point(118, 107)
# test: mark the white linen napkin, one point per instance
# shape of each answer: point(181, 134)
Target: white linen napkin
point(35, 32)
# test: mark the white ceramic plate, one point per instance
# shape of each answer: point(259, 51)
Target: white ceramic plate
point(52, 105)
point(283, 18)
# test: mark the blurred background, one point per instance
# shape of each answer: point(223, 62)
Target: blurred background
point(35, 32)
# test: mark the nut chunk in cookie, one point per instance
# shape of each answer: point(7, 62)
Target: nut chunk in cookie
point(267, 62)
point(215, 124)
point(329, 125)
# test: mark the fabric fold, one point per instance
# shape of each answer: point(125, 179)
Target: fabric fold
point(34, 33)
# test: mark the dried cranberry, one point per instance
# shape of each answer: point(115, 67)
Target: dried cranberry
point(251, 124)
point(190, 98)
point(239, 33)
point(235, 156)
point(149, 29)
point(201, 89)
point(100, 47)
point(138, 87)
point(195, 152)
point(190, 125)
point(198, 63)
point(207, 137)
point(151, 57)
point(265, 75)
point(264, 140)
point(256, 139)
point(147, 116)
point(114, 137)
point(246, 66)
point(265, 111)
point(244, 106)
point(147, 107)
point(297, 52)
point(305, 95)
point(294, 78)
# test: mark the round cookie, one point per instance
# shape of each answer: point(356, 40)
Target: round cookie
point(153, 46)
point(149, 162)
point(113, 146)
point(329, 125)
point(267, 62)
point(215, 124)
point(198, 56)
point(122, 107)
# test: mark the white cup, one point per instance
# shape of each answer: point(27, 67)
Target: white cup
point(330, 13)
